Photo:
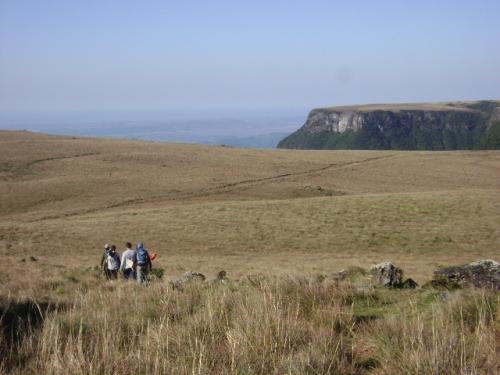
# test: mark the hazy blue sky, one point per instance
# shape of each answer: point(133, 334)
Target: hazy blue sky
point(155, 55)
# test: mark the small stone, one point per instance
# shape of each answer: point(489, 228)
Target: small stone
point(188, 277)
point(409, 284)
point(338, 276)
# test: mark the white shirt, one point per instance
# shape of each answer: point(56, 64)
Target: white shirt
point(113, 260)
point(128, 259)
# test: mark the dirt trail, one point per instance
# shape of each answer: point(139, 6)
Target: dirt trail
point(216, 190)
point(34, 162)
point(303, 173)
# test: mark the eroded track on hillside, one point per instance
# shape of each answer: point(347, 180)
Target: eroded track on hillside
point(223, 188)
point(217, 190)
point(27, 168)
point(55, 158)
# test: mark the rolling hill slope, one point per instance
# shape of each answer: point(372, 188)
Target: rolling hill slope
point(245, 210)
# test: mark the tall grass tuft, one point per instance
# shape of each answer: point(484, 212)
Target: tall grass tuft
point(457, 336)
point(276, 326)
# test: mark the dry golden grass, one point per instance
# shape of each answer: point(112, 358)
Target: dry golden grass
point(259, 326)
point(270, 212)
point(43, 176)
point(243, 210)
point(305, 236)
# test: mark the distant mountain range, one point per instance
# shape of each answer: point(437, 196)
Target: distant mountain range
point(413, 126)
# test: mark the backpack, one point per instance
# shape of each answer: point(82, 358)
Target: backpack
point(142, 256)
point(113, 261)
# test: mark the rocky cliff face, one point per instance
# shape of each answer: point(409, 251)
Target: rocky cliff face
point(432, 126)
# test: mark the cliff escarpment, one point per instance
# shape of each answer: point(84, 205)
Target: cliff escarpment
point(420, 126)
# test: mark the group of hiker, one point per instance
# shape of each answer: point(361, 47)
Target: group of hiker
point(134, 264)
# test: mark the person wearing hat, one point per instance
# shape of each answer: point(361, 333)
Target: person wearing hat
point(104, 262)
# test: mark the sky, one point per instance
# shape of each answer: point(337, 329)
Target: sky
point(119, 55)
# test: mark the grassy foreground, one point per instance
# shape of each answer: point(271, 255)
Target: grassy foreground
point(259, 325)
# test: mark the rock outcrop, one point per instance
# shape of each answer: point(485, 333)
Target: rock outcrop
point(388, 275)
point(431, 126)
point(480, 274)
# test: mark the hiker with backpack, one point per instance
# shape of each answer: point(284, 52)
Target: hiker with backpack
point(104, 261)
point(129, 262)
point(143, 263)
point(113, 263)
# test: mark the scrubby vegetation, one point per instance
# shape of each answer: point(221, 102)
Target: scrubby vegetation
point(258, 325)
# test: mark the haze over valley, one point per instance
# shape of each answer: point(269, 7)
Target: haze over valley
point(237, 127)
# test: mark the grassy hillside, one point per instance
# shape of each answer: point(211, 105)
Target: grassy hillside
point(65, 197)
point(280, 222)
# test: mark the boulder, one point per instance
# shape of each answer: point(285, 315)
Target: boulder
point(221, 277)
point(480, 274)
point(387, 274)
point(187, 278)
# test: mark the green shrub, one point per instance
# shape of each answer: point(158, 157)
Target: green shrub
point(157, 272)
